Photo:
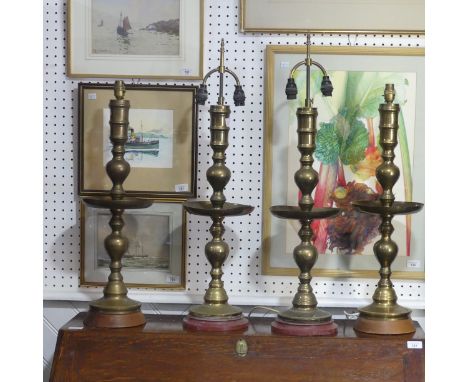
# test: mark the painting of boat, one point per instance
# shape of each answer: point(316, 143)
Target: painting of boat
point(138, 252)
point(124, 26)
point(136, 143)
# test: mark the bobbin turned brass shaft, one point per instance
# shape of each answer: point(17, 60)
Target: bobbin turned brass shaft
point(305, 254)
point(304, 309)
point(115, 300)
point(218, 175)
point(217, 250)
point(384, 315)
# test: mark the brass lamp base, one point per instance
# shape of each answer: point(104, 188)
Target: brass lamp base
point(304, 322)
point(215, 318)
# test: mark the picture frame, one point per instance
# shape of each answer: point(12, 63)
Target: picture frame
point(165, 115)
point(156, 252)
point(135, 39)
point(343, 64)
point(321, 16)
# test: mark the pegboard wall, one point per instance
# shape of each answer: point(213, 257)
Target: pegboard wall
point(242, 270)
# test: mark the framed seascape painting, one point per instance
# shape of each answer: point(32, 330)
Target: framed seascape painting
point(162, 142)
point(135, 38)
point(324, 16)
point(156, 252)
point(346, 157)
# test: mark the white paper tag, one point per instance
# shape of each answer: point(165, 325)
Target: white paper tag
point(415, 264)
point(75, 327)
point(414, 344)
point(92, 96)
point(284, 64)
point(172, 279)
point(181, 187)
point(186, 71)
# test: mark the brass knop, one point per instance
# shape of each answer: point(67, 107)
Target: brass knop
point(119, 89)
point(389, 93)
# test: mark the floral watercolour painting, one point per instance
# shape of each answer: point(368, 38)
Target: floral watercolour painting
point(346, 156)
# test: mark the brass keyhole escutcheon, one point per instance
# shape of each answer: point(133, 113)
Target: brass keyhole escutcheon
point(241, 348)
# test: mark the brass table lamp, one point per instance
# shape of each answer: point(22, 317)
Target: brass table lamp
point(384, 315)
point(115, 309)
point(304, 318)
point(216, 314)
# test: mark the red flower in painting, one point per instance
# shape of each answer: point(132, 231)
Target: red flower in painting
point(352, 230)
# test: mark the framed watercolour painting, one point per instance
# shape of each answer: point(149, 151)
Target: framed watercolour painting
point(346, 156)
point(161, 147)
point(135, 38)
point(324, 16)
point(156, 252)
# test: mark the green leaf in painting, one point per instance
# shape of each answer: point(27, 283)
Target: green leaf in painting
point(354, 147)
point(328, 143)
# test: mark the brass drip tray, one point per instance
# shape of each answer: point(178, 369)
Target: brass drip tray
point(205, 208)
point(124, 203)
point(397, 208)
point(294, 212)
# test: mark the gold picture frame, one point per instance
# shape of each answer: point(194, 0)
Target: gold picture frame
point(278, 125)
point(321, 16)
point(97, 49)
point(157, 246)
point(166, 114)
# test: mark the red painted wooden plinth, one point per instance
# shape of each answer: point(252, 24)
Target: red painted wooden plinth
point(214, 325)
point(292, 329)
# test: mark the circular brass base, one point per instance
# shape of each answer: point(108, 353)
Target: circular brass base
point(215, 312)
point(99, 319)
point(289, 328)
point(215, 325)
point(379, 326)
point(305, 316)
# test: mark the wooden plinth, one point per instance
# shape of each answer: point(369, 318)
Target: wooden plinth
point(201, 325)
point(162, 350)
point(290, 329)
point(390, 327)
point(97, 319)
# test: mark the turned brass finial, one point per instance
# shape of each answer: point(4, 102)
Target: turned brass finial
point(119, 89)
point(389, 93)
point(221, 57)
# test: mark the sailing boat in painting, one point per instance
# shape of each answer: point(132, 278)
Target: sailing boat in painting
point(124, 26)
